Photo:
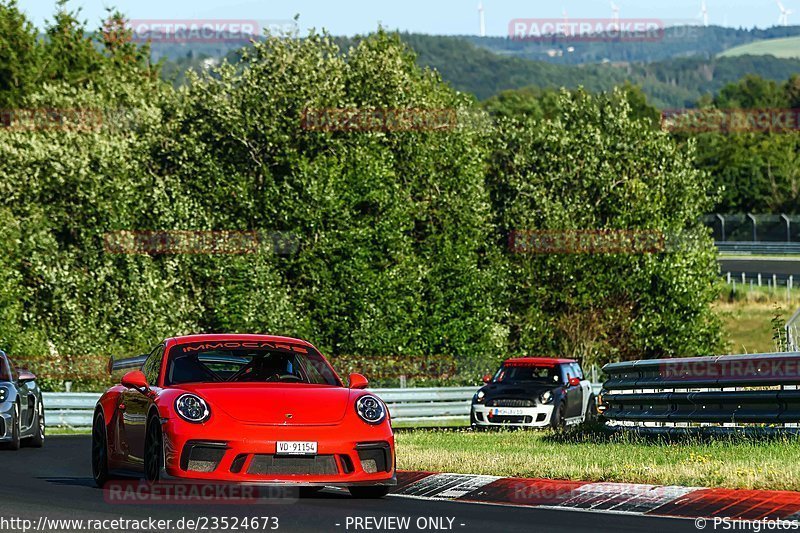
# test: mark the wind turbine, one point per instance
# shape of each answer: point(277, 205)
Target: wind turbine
point(615, 10)
point(783, 20)
point(482, 19)
point(704, 13)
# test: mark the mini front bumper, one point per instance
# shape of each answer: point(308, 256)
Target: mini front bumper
point(536, 417)
point(342, 452)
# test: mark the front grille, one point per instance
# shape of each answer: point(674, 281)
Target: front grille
point(508, 402)
point(375, 457)
point(238, 463)
point(347, 464)
point(199, 456)
point(511, 419)
point(318, 465)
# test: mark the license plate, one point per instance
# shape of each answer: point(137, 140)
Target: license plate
point(296, 448)
point(507, 412)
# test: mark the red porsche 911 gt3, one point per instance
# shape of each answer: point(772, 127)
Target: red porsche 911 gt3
point(243, 408)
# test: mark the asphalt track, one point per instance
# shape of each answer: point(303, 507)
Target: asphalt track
point(55, 482)
point(781, 267)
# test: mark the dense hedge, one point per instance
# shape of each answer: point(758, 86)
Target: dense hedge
point(400, 234)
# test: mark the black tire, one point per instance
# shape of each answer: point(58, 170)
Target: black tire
point(153, 451)
point(99, 451)
point(558, 423)
point(369, 493)
point(37, 439)
point(591, 411)
point(474, 423)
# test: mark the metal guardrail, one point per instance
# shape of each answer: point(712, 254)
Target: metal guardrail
point(747, 247)
point(414, 407)
point(720, 391)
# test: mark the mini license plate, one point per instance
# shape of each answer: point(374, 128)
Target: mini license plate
point(506, 412)
point(296, 448)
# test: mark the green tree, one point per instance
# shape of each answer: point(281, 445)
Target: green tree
point(595, 167)
point(20, 56)
point(751, 92)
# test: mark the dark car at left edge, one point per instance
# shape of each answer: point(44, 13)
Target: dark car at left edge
point(21, 407)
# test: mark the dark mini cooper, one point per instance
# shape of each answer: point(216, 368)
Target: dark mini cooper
point(21, 407)
point(535, 392)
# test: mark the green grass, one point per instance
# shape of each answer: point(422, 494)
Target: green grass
point(68, 431)
point(747, 316)
point(787, 48)
point(594, 456)
point(748, 327)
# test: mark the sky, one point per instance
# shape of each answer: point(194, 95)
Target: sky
point(442, 17)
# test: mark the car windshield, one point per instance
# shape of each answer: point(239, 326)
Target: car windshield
point(528, 373)
point(204, 364)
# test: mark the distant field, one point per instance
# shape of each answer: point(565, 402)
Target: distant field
point(787, 48)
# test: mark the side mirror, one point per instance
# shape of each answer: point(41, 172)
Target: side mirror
point(135, 380)
point(26, 377)
point(357, 381)
point(487, 378)
point(574, 382)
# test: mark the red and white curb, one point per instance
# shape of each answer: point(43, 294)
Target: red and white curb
point(627, 498)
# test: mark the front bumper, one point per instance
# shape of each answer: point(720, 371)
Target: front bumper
point(6, 418)
point(344, 458)
point(535, 417)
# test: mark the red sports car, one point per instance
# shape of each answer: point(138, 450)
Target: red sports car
point(243, 408)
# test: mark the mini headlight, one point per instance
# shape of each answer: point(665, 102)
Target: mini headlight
point(192, 408)
point(546, 397)
point(3, 394)
point(370, 409)
point(480, 396)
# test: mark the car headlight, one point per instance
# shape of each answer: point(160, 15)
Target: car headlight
point(370, 409)
point(480, 396)
point(192, 408)
point(546, 397)
point(3, 394)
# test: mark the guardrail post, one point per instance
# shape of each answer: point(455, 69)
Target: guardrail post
point(755, 226)
point(759, 279)
point(788, 228)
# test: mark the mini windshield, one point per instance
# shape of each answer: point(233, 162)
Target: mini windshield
point(193, 364)
point(528, 374)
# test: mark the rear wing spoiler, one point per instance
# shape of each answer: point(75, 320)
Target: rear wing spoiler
point(126, 364)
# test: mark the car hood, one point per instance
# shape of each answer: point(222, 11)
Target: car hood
point(275, 403)
point(517, 390)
